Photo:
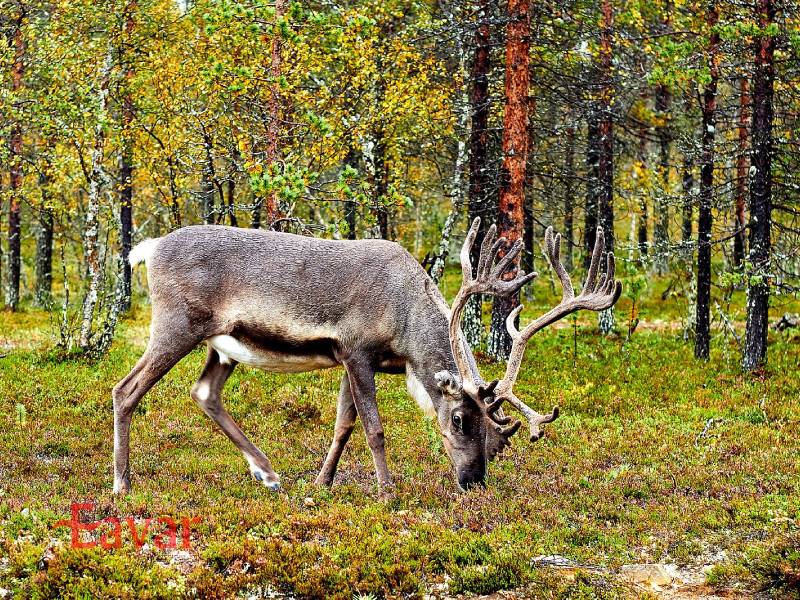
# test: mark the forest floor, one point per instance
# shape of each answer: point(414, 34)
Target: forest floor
point(689, 468)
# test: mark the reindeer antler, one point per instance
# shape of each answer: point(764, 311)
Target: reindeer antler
point(596, 295)
point(487, 280)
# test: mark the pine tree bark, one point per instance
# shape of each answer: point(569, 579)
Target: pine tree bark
point(16, 172)
point(510, 214)
point(479, 203)
point(605, 210)
point(755, 351)
point(706, 196)
point(592, 181)
point(741, 173)
point(569, 195)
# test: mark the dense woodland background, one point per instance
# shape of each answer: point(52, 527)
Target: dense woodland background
point(672, 125)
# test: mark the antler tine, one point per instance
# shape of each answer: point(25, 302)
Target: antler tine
point(462, 364)
point(466, 249)
point(596, 295)
point(489, 248)
point(487, 280)
point(597, 252)
point(553, 247)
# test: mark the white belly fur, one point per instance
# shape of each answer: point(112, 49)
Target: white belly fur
point(229, 348)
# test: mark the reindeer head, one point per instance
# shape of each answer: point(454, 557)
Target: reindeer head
point(473, 425)
point(463, 422)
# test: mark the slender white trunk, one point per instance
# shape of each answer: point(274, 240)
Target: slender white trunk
point(97, 180)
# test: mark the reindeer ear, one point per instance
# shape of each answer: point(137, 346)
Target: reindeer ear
point(487, 390)
point(448, 383)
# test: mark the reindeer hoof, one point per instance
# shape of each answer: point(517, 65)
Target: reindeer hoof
point(269, 482)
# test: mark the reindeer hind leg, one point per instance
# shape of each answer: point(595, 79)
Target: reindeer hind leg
point(207, 393)
point(164, 351)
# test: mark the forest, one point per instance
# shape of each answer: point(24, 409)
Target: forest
point(671, 126)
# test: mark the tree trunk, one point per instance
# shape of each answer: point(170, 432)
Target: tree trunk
point(687, 183)
point(661, 208)
point(381, 184)
point(174, 205)
point(510, 214)
point(569, 195)
point(755, 351)
point(126, 169)
point(44, 246)
point(97, 180)
point(663, 100)
point(207, 191)
point(456, 190)
point(641, 237)
point(687, 186)
point(350, 206)
point(272, 148)
point(592, 181)
point(704, 219)
point(231, 193)
point(479, 204)
point(741, 173)
point(529, 233)
point(126, 220)
point(15, 162)
point(457, 186)
point(605, 211)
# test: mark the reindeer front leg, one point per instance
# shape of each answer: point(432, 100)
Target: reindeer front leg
point(345, 421)
point(361, 374)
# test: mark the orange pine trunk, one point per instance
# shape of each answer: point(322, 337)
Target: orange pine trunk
point(510, 209)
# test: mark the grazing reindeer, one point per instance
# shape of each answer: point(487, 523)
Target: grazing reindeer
point(287, 303)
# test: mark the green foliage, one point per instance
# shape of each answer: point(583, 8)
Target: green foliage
point(503, 573)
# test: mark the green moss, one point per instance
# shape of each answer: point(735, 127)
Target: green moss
point(503, 573)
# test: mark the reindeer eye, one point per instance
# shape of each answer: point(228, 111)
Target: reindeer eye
point(457, 422)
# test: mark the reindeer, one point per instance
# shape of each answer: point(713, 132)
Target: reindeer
point(287, 303)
